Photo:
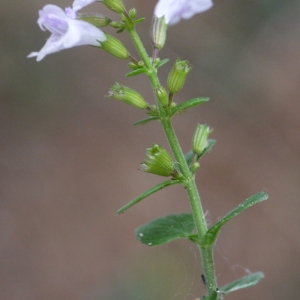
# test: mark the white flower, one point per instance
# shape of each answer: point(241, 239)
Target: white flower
point(174, 10)
point(66, 31)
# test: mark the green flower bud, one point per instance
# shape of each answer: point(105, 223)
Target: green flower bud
point(114, 47)
point(158, 32)
point(135, 65)
point(153, 111)
point(95, 19)
point(116, 25)
point(159, 162)
point(128, 96)
point(162, 95)
point(173, 105)
point(200, 138)
point(195, 166)
point(178, 75)
point(132, 13)
point(114, 5)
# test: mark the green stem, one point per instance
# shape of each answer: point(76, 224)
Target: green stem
point(189, 180)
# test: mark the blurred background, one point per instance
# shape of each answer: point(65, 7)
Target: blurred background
point(70, 157)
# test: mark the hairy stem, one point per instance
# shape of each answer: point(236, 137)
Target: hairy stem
point(189, 180)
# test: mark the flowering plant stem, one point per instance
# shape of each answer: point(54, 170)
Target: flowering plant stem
point(69, 30)
point(189, 179)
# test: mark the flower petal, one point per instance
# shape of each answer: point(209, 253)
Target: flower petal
point(79, 4)
point(82, 33)
point(48, 15)
point(174, 10)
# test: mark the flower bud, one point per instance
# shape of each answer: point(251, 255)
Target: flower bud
point(162, 96)
point(114, 47)
point(132, 13)
point(194, 167)
point(128, 96)
point(114, 5)
point(116, 25)
point(178, 75)
point(94, 19)
point(200, 138)
point(158, 32)
point(159, 162)
point(135, 65)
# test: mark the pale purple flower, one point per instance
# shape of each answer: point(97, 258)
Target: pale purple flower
point(174, 10)
point(79, 4)
point(66, 31)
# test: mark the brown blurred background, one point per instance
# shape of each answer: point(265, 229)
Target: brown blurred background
point(70, 157)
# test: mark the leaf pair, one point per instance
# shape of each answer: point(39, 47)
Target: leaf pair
point(166, 229)
point(169, 228)
point(178, 109)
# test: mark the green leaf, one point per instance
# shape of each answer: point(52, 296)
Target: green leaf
point(212, 233)
point(166, 229)
point(162, 62)
point(189, 157)
point(138, 20)
point(145, 121)
point(121, 30)
point(211, 143)
point(182, 107)
point(242, 283)
point(136, 72)
point(149, 192)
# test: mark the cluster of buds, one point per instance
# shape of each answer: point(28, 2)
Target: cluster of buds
point(176, 80)
point(169, 13)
